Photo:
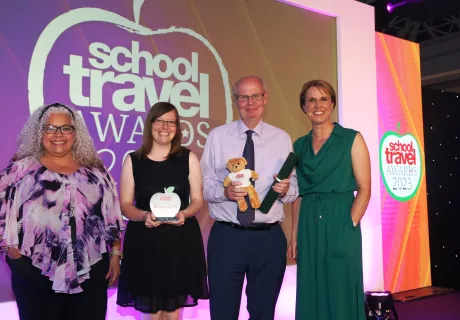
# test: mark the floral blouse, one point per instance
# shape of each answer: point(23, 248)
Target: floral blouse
point(64, 223)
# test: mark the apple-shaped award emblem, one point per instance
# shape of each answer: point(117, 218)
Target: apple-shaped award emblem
point(400, 164)
point(60, 24)
point(165, 205)
point(136, 83)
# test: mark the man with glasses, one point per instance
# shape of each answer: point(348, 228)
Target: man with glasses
point(249, 243)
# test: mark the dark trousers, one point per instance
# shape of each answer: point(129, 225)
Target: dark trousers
point(260, 255)
point(36, 299)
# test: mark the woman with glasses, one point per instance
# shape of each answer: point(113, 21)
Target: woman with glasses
point(164, 265)
point(59, 220)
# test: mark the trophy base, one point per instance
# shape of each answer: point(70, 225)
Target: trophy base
point(166, 219)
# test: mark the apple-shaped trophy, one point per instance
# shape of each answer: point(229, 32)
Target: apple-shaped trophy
point(165, 205)
point(400, 164)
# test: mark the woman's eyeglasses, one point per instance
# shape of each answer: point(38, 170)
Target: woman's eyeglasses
point(52, 129)
point(161, 122)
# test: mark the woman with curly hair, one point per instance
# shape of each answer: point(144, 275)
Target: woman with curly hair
point(59, 215)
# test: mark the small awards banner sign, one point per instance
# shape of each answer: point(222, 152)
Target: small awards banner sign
point(400, 164)
point(404, 209)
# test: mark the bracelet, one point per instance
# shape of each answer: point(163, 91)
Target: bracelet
point(354, 224)
point(5, 249)
point(116, 253)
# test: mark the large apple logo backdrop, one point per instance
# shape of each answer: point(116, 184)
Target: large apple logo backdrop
point(104, 60)
point(114, 80)
point(112, 60)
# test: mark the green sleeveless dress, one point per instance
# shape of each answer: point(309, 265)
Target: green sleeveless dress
point(329, 253)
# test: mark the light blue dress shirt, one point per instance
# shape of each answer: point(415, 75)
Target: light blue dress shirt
point(271, 148)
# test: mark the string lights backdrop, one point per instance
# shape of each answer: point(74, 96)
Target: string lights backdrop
point(441, 113)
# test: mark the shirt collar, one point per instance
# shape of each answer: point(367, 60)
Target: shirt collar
point(258, 129)
point(338, 129)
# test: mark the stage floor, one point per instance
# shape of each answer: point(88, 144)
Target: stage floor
point(441, 307)
point(285, 309)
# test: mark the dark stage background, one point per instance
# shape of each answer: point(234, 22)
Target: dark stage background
point(441, 117)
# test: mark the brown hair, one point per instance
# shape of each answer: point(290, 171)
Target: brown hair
point(156, 111)
point(322, 86)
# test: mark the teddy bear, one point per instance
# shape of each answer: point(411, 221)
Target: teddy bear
point(238, 172)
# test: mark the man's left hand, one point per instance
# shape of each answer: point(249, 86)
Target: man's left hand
point(282, 186)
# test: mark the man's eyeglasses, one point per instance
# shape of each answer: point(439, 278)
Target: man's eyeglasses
point(52, 129)
point(169, 123)
point(254, 97)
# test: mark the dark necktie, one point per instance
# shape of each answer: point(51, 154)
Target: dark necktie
point(247, 217)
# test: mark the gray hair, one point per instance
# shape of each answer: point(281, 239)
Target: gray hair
point(235, 86)
point(30, 139)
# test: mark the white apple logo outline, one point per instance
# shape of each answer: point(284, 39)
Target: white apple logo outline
point(71, 18)
point(382, 172)
point(165, 213)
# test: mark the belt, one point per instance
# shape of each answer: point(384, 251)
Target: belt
point(252, 226)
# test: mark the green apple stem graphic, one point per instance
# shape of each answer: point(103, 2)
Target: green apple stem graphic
point(169, 190)
point(137, 4)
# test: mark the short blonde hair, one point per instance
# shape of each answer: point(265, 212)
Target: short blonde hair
point(323, 86)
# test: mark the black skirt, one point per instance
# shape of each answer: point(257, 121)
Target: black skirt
point(163, 268)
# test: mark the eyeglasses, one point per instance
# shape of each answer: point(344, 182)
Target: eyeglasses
point(254, 97)
point(161, 122)
point(52, 129)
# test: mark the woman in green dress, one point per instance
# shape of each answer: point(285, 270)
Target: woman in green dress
point(326, 235)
